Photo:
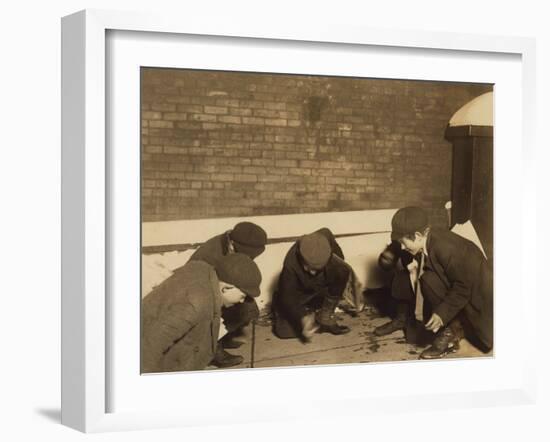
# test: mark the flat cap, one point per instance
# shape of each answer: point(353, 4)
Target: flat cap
point(248, 238)
point(239, 270)
point(315, 250)
point(407, 221)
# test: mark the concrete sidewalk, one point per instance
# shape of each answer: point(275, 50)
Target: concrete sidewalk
point(358, 346)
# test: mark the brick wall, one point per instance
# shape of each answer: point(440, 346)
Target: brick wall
point(218, 144)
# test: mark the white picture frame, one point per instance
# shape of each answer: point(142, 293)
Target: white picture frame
point(86, 216)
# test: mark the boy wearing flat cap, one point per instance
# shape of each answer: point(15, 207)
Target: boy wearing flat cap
point(247, 238)
point(456, 283)
point(180, 318)
point(311, 284)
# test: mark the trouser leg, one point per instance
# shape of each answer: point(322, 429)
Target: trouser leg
point(403, 296)
point(235, 318)
point(223, 359)
point(401, 288)
point(282, 328)
point(398, 323)
point(240, 315)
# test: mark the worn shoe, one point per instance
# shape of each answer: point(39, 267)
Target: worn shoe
point(397, 323)
point(446, 341)
point(223, 359)
point(389, 327)
point(326, 318)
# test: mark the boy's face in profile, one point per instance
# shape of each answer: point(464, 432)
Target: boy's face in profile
point(231, 295)
point(412, 244)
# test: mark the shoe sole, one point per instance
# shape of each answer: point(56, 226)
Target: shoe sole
point(453, 349)
point(237, 344)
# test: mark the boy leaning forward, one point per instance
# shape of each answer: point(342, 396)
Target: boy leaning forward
point(455, 280)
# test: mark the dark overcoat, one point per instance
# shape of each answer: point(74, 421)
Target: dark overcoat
point(458, 277)
point(180, 320)
point(297, 287)
point(212, 250)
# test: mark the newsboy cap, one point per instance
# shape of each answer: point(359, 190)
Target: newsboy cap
point(407, 221)
point(248, 238)
point(315, 250)
point(239, 270)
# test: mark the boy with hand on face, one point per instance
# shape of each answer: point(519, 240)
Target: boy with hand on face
point(455, 279)
point(180, 318)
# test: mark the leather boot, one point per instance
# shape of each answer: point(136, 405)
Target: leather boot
point(222, 359)
point(398, 323)
point(446, 341)
point(327, 320)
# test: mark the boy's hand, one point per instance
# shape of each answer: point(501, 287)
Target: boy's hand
point(309, 326)
point(435, 323)
point(388, 258)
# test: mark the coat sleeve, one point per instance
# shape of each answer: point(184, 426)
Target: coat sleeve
point(455, 266)
point(171, 323)
point(289, 293)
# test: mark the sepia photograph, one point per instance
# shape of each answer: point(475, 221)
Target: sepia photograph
point(257, 205)
point(301, 220)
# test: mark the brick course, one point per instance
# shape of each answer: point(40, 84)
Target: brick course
point(218, 144)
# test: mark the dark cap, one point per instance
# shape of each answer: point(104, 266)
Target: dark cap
point(239, 270)
point(315, 250)
point(248, 238)
point(407, 221)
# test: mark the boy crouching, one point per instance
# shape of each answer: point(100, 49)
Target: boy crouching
point(180, 319)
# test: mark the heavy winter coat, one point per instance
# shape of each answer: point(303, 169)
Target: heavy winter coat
point(297, 287)
point(180, 320)
point(458, 275)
